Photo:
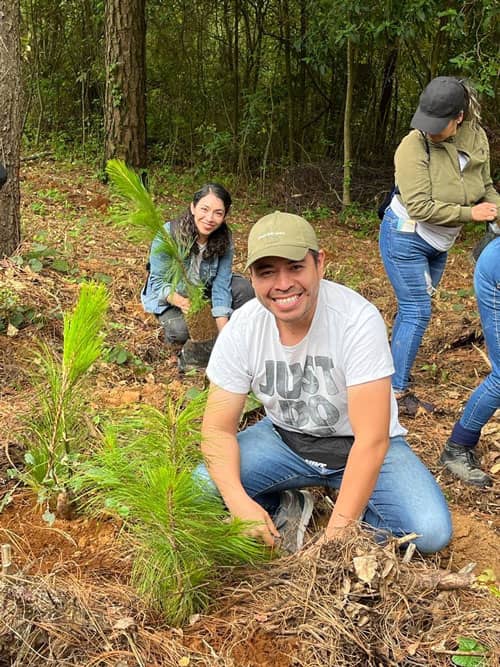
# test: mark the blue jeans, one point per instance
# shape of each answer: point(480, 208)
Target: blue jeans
point(486, 398)
point(406, 497)
point(414, 268)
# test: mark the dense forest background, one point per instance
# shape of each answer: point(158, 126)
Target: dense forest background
point(244, 86)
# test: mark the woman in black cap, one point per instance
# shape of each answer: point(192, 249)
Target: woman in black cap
point(443, 180)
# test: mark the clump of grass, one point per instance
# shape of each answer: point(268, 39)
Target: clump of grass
point(180, 535)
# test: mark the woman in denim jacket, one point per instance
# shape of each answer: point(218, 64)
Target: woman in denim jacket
point(203, 227)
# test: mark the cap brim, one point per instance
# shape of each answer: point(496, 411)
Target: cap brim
point(430, 124)
point(292, 252)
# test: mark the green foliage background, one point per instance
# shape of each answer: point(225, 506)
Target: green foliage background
point(240, 85)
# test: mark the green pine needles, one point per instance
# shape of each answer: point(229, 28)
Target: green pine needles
point(140, 213)
point(55, 435)
point(180, 535)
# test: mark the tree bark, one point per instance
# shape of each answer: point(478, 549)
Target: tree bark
point(10, 124)
point(125, 98)
point(346, 190)
point(285, 20)
point(386, 95)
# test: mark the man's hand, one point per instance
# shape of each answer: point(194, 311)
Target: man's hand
point(222, 456)
point(248, 510)
point(337, 527)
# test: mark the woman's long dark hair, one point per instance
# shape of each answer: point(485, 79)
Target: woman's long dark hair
point(184, 229)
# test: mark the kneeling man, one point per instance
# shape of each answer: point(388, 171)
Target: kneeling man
point(316, 354)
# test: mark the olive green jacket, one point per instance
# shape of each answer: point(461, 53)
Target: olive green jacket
point(431, 186)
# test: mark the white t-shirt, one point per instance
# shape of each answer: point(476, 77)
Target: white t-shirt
point(304, 387)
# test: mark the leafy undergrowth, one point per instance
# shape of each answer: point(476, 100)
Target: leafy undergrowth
point(70, 600)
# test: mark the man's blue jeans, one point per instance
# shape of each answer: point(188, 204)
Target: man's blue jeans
point(414, 268)
point(486, 398)
point(406, 497)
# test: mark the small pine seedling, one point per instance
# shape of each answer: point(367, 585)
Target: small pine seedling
point(180, 535)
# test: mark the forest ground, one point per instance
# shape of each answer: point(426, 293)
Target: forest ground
point(66, 209)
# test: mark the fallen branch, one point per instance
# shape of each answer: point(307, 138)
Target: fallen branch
point(37, 156)
point(443, 580)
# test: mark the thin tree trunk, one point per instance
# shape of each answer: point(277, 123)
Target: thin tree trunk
point(10, 123)
point(289, 86)
point(236, 102)
point(346, 189)
point(125, 99)
point(386, 96)
point(302, 92)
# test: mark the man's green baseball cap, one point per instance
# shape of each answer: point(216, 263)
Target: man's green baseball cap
point(281, 235)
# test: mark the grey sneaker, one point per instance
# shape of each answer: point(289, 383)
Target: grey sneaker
point(462, 462)
point(292, 517)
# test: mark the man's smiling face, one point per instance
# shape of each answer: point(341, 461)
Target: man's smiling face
point(288, 288)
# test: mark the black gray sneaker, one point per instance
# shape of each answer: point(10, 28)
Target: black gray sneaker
point(292, 517)
point(462, 462)
point(194, 354)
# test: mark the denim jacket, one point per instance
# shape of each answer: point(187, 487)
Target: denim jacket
point(215, 274)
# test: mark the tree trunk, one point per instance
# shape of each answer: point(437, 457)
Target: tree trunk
point(346, 190)
point(125, 99)
point(285, 19)
point(10, 124)
point(386, 96)
point(236, 102)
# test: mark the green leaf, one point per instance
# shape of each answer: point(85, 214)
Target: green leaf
point(193, 392)
point(472, 645)
point(39, 250)
point(487, 576)
point(251, 403)
point(16, 319)
point(60, 265)
point(35, 265)
point(29, 459)
point(6, 500)
point(103, 278)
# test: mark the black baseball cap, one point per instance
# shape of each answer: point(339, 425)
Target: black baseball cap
point(442, 99)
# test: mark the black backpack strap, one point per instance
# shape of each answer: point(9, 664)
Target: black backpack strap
point(426, 144)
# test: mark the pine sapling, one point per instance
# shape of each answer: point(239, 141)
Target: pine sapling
point(177, 529)
point(141, 214)
point(56, 434)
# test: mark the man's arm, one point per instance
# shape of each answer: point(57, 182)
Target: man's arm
point(369, 414)
point(222, 457)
